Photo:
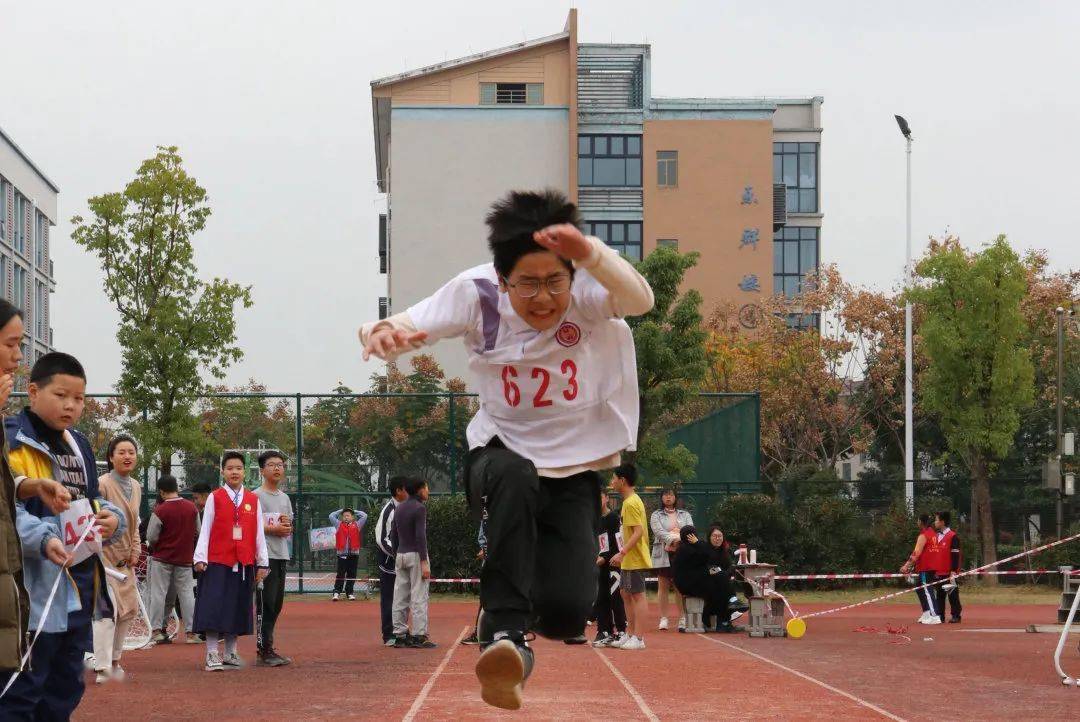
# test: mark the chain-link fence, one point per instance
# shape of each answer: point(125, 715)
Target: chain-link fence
point(342, 449)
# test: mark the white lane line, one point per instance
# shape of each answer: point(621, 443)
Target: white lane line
point(808, 678)
point(649, 715)
point(419, 701)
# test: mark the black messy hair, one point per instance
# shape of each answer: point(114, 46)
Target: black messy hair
point(514, 218)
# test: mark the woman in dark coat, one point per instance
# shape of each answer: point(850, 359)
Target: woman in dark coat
point(690, 566)
point(721, 591)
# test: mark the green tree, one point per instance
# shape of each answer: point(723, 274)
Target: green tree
point(173, 325)
point(671, 359)
point(979, 376)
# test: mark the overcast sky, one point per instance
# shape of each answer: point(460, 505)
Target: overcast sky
point(270, 105)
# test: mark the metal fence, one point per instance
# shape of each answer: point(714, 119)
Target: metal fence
point(343, 447)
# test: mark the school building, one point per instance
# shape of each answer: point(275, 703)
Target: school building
point(28, 208)
point(736, 179)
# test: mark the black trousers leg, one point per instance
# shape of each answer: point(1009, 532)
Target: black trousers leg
point(566, 549)
point(350, 573)
point(540, 570)
point(605, 623)
point(507, 487)
point(618, 610)
point(955, 608)
point(339, 580)
point(273, 598)
point(386, 603)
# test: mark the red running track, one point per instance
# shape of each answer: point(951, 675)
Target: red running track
point(341, 671)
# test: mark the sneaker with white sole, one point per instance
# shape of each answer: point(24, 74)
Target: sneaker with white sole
point(682, 624)
point(102, 676)
point(503, 667)
point(118, 673)
point(232, 661)
point(932, 620)
point(619, 640)
point(923, 618)
point(213, 662)
point(335, 597)
point(352, 597)
point(634, 643)
point(663, 624)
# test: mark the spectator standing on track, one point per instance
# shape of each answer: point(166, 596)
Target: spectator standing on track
point(665, 524)
point(918, 562)
point(43, 445)
point(633, 557)
point(610, 612)
point(948, 566)
point(125, 493)
point(231, 554)
point(14, 616)
point(412, 567)
point(171, 535)
point(349, 524)
point(278, 528)
point(385, 555)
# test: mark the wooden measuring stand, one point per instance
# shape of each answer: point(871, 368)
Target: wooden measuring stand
point(766, 612)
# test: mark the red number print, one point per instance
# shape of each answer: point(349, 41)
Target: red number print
point(510, 389)
point(570, 368)
point(545, 380)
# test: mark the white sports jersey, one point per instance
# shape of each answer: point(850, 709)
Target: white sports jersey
point(561, 397)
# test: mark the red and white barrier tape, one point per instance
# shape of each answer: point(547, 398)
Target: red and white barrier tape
point(45, 612)
point(900, 575)
point(330, 576)
point(943, 580)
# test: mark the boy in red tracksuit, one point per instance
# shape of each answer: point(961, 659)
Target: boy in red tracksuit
point(350, 529)
point(948, 565)
point(920, 560)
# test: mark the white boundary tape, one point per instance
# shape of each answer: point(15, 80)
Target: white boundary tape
point(1066, 679)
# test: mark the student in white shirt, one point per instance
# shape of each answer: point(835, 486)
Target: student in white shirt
point(556, 372)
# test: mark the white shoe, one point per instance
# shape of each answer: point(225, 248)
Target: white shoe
point(682, 624)
point(634, 643)
point(102, 676)
point(352, 597)
point(620, 639)
point(118, 673)
point(213, 662)
point(931, 620)
point(924, 617)
point(335, 597)
point(663, 624)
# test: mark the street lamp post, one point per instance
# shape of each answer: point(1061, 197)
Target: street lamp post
point(1060, 419)
point(909, 426)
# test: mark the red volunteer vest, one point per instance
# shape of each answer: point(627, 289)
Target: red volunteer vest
point(223, 548)
point(939, 560)
point(931, 538)
point(350, 533)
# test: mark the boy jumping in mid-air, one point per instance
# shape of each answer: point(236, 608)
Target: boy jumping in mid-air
point(555, 368)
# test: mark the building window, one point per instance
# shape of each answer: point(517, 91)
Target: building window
point(667, 168)
point(384, 245)
point(384, 307)
point(623, 236)
point(4, 276)
point(609, 160)
point(803, 321)
point(3, 211)
point(511, 93)
point(39, 239)
point(795, 253)
point(672, 243)
point(39, 309)
point(19, 287)
point(19, 234)
point(796, 165)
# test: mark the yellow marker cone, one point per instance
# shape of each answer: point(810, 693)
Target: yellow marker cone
point(796, 628)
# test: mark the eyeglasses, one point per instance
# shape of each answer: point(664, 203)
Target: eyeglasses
point(275, 465)
point(529, 287)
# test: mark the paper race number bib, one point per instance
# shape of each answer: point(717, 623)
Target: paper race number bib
point(73, 523)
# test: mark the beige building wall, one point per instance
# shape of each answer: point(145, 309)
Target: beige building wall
point(449, 165)
point(718, 159)
point(548, 64)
